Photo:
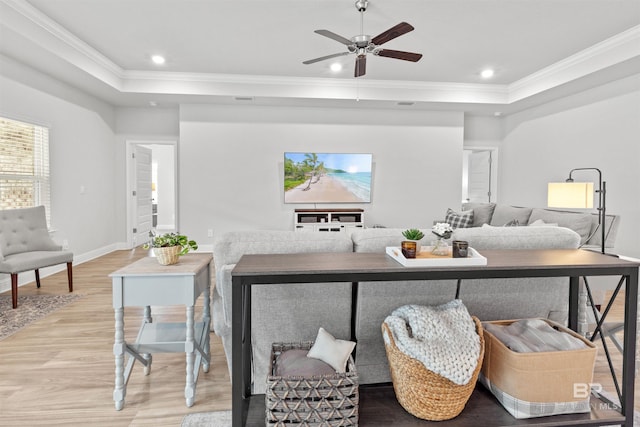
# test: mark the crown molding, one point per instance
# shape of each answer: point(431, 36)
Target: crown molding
point(614, 50)
point(301, 87)
point(22, 17)
point(28, 21)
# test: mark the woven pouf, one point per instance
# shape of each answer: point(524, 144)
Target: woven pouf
point(423, 393)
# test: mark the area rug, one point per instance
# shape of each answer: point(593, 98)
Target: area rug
point(30, 308)
point(207, 419)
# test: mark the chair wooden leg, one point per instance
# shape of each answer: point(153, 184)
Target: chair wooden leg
point(37, 278)
point(70, 276)
point(14, 290)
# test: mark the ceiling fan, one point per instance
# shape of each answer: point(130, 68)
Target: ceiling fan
point(363, 44)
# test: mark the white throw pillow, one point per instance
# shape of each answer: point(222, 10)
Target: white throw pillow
point(333, 351)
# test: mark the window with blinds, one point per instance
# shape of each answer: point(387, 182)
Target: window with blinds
point(24, 165)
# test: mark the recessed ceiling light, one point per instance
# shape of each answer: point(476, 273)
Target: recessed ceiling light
point(488, 73)
point(153, 104)
point(336, 66)
point(158, 59)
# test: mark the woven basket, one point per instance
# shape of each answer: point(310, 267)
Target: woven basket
point(168, 255)
point(423, 393)
point(317, 401)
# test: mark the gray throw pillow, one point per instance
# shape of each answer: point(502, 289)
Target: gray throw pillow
point(482, 212)
point(462, 219)
point(578, 222)
point(504, 213)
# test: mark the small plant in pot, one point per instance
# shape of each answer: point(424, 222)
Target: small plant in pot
point(169, 247)
point(414, 235)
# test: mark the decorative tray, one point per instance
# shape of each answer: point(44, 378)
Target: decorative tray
point(426, 259)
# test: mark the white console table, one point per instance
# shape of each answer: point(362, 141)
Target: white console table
point(147, 283)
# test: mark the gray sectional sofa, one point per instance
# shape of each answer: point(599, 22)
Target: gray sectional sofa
point(290, 313)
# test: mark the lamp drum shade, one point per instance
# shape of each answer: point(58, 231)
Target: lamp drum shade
point(577, 195)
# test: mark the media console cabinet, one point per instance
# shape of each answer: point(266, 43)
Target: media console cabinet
point(378, 405)
point(328, 220)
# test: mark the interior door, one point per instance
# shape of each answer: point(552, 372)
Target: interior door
point(480, 176)
point(142, 195)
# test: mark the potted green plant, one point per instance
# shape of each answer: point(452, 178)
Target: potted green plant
point(169, 247)
point(414, 235)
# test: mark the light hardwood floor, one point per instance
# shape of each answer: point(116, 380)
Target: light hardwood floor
point(60, 369)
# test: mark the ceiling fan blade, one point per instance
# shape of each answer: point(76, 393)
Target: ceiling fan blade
point(398, 54)
point(361, 65)
point(392, 33)
point(334, 36)
point(322, 58)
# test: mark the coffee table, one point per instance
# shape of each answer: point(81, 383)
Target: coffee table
point(259, 270)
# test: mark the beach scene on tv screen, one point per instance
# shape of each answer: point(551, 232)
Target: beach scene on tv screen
point(327, 178)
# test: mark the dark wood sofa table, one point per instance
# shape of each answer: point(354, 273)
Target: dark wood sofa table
point(378, 400)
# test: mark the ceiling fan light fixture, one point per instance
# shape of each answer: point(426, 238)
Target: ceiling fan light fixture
point(362, 44)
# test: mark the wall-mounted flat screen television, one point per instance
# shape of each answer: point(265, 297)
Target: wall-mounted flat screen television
point(327, 178)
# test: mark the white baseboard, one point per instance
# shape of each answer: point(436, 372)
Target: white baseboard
point(29, 276)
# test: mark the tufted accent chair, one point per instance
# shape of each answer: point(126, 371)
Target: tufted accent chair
point(25, 245)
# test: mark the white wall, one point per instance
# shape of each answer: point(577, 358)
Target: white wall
point(143, 125)
point(598, 128)
point(81, 155)
point(231, 163)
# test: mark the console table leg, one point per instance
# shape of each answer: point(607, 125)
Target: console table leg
point(630, 338)
point(118, 351)
point(206, 315)
point(190, 388)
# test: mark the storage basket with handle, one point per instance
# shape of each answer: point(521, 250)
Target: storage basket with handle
point(423, 393)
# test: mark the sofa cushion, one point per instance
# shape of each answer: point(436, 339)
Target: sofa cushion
point(503, 214)
point(462, 219)
point(229, 247)
point(541, 223)
point(377, 239)
point(578, 222)
point(482, 212)
point(491, 237)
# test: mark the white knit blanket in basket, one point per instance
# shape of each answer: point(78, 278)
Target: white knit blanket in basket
point(443, 338)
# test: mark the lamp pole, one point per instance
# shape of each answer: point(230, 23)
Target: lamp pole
point(602, 203)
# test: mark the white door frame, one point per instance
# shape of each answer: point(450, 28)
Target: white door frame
point(130, 172)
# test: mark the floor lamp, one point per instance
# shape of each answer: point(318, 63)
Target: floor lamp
point(571, 194)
